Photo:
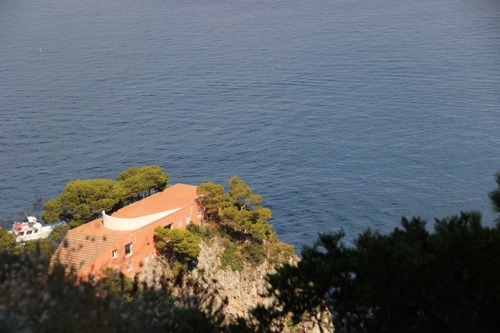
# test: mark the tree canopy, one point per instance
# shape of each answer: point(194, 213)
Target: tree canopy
point(213, 197)
point(239, 209)
point(139, 182)
point(83, 200)
point(183, 244)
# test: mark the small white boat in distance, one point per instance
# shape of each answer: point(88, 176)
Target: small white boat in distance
point(30, 230)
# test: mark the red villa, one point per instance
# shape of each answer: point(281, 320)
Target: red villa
point(124, 240)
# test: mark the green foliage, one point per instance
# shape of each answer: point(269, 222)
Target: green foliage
point(213, 197)
point(205, 233)
point(117, 284)
point(237, 210)
point(40, 248)
point(182, 244)
point(240, 194)
point(254, 252)
point(59, 232)
point(83, 200)
point(408, 281)
point(280, 252)
point(286, 249)
point(7, 240)
point(137, 183)
point(230, 258)
point(178, 268)
point(53, 210)
point(236, 219)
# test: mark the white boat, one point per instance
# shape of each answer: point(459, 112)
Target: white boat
point(30, 230)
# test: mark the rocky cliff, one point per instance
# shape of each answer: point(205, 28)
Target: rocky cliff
point(242, 289)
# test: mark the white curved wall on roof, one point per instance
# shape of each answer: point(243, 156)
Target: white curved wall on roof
point(121, 223)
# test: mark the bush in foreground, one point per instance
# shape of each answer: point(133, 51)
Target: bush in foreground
point(411, 280)
point(33, 300)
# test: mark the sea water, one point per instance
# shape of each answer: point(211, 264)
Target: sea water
point(342, 114)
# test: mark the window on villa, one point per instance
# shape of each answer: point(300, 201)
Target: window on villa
point(168, 226)
point(128, 249)
point(188, 219)
point(180, 223)
point(130, 266)
point(29, 232)
point(115, 253)
point(117, 268)
point(200, 212)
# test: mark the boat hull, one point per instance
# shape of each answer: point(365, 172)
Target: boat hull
point(41, 234)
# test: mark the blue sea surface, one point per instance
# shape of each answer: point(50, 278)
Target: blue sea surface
point(342, 114)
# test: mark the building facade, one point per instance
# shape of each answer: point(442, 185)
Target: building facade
point(124, 240)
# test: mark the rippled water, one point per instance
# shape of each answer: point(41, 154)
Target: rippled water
point(342, 114)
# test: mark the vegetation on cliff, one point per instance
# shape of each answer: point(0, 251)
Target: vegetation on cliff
point(239, 210)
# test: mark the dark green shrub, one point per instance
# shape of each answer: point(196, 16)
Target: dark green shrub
point(231, 259)
point(181, 244)
point(254, 253)
point(178, 268)
point(205, 233)
point(281, 251)
point(116, 283)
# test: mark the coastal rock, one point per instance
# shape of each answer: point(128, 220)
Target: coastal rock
point(242, 289)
